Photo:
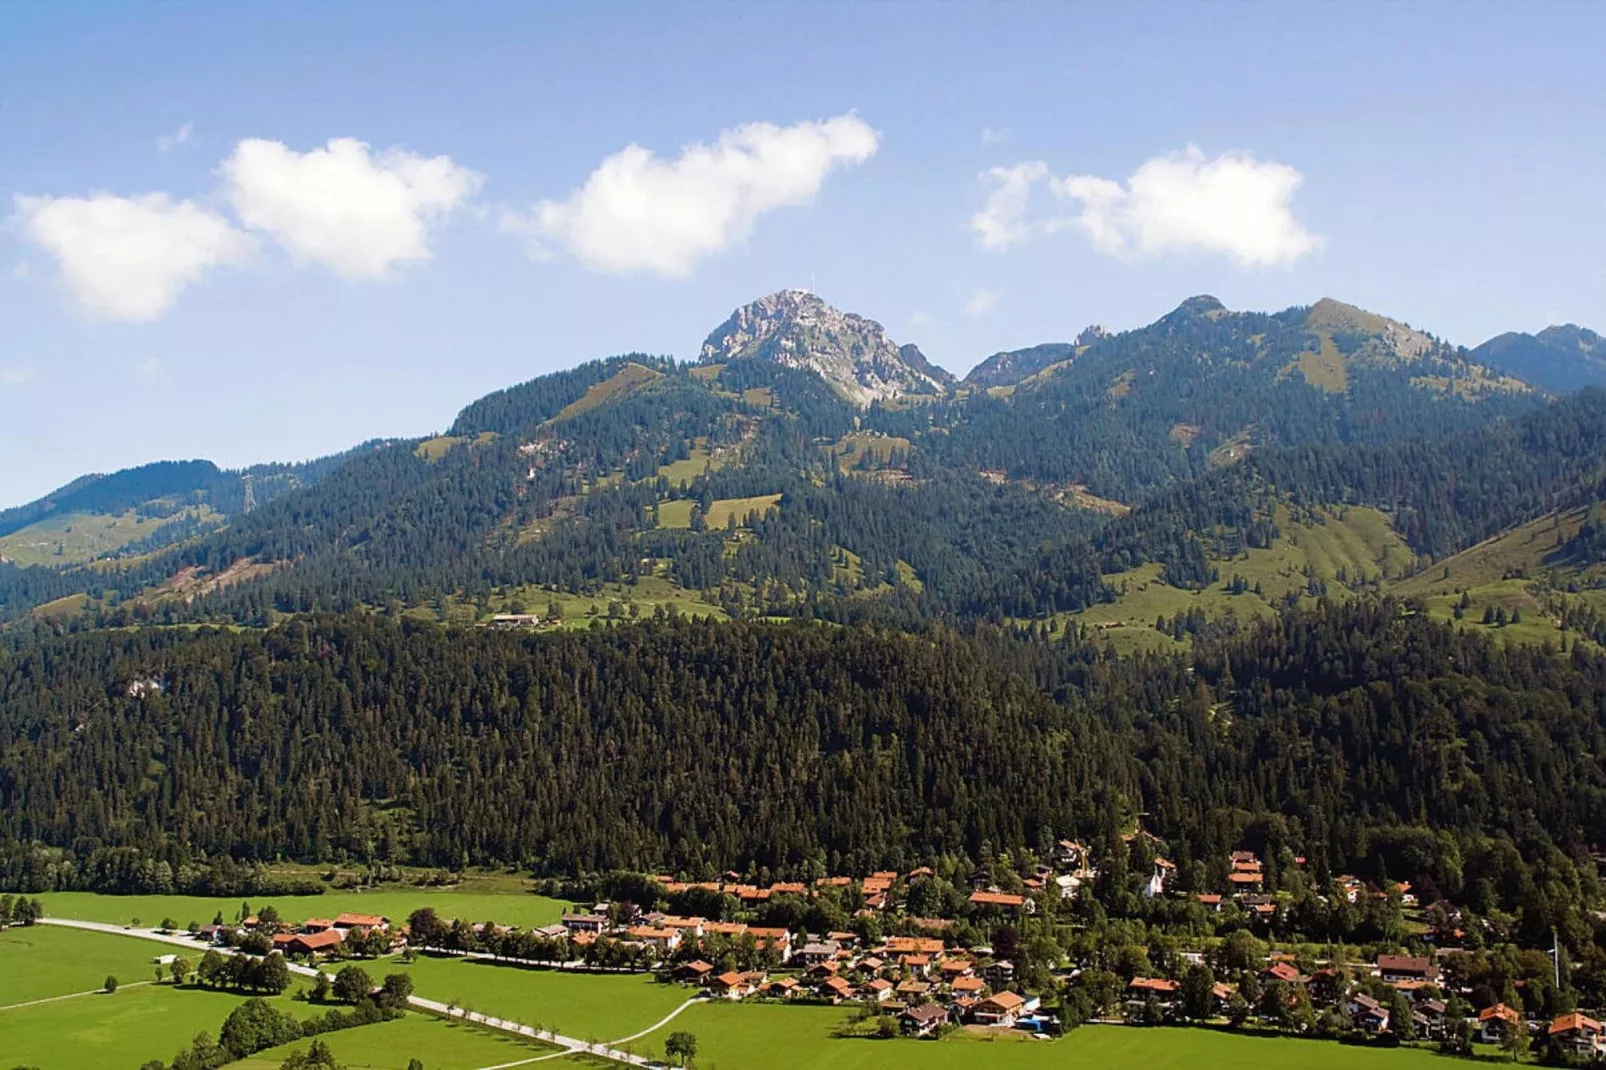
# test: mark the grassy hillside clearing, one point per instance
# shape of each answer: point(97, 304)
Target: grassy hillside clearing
point(626, 381)
point(73, 538)
point(677, 514)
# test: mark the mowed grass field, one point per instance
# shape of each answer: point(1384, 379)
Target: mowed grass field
point(440, 1044)
point(97, 1031)
point(41, 961)
point(506, 908)
point(772, 1037)
point(589, 1006)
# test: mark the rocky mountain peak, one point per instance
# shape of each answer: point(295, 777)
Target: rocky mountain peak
point(797, 329)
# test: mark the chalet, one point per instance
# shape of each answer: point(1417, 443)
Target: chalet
point(312, 943)
point(1285, 972)
point(1068, 885)
point(1001, 900)
point(915, 965)
point(779, 940)
point(836, 989)
point(1000, 973)
point(923, 1021)
point(317, 925)
point(361, 921)
point(1222, 994)
point(1160, 988)
point(695, 972)
point(844, 939)
point(782, 988)
point(1002, 1008)
point(968, 986)
point(876, 991)
point(817, 951)
point(789, 888)
point(1393, 968)
point(1246, 881)
point(664, 940)
point(732, 985)
point(1210, 902)
point(952, 968)
point(731, 929)
point(913, 991)
point(821, 970)
point(1496, 1021)
point(551, 932)
point(584, 923)
point(871, 964)
point(1578, 1035)
point(1368, 1015)
point(1430, 1019)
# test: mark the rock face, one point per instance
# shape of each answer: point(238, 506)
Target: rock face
point(1009, 368)
point(797, 329)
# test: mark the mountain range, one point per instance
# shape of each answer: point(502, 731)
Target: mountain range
point(1212, 466)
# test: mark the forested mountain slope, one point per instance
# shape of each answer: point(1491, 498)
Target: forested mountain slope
point(808, 464)
point(1364, 737)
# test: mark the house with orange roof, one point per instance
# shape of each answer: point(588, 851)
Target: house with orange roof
point(782, 988)
point(732, 985)
point(313, 943)
point(912, 945)
point(1578, 1034)
point(1496, 1021)
point(1001, 1009)
point(969, 985)
point(876, 990)
point(835, 989)
point(999, 900)
point(777, 938)
point(361, 921)
point(660, 938)
point(696, 971)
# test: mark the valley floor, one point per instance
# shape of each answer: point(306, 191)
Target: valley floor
point(82, 1028)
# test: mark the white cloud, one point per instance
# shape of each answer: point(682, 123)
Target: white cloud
point(982, 302)
point(356, 212)
point(169, 142)
point(127, 258)
point(1002, 221)
point(996, 135)
point(1233, 205)
point(15, 375)
point(637, 212)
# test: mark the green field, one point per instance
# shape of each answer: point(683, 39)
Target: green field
point(91, 1032)
point(677, 514)
point(441, 1045)
point(41, 961)
point(523, 910)
point(1340, 547)
point(73, 538)
point(622, 383)
point(647, 594)
point(584, 1005)
point(731, 1037)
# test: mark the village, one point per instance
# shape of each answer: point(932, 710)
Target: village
point(922, 975)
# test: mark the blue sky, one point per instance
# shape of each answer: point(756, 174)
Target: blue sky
point(189, 268)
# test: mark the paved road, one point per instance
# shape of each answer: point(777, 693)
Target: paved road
point(568, 1045)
